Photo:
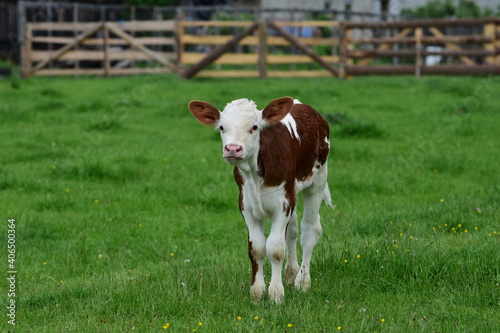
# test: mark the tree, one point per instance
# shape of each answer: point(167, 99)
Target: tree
point(448, 8)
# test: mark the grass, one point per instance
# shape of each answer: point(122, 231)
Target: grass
point(127, 219)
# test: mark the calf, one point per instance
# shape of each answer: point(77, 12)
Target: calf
point(276, 153)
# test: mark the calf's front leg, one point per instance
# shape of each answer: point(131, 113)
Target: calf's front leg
point(275, 248)
point(256, 253)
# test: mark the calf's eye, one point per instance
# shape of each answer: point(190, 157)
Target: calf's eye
point(221, 128)
point(254, 128)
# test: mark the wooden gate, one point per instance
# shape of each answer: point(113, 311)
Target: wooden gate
point(258, 49)
point(99, 48)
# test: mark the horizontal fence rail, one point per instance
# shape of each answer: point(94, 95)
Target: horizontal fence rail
point(262, 48)
point(461, 46)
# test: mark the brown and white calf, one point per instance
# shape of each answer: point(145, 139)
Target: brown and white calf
point(276, 153)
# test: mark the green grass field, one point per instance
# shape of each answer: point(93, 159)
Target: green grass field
point(126, 216)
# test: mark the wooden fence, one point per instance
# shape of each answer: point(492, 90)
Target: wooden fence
point(262, 49)
point(98, 48)
point(402, 47)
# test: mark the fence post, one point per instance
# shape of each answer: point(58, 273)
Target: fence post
point(497, 41)
point(262, 48)
point(179, 44)
point(345, 46)
point(418, 51)
point(106, 50)
point(489, 30)
point(75, 32)
point(26, 51)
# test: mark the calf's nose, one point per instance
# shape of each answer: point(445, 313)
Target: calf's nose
point(233, 150)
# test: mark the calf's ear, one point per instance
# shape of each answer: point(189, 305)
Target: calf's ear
point(204, 112)
point(277, 110)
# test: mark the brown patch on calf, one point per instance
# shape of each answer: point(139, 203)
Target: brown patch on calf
point(255, 266)
point(240, 181)
point(284, 159)
point(277, 110)
point(278, 256)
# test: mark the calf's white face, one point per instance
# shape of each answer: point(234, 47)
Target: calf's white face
point(239, 127)
point(240, 124)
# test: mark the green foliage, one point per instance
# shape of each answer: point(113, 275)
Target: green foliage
point(448, 8)
point(150, 2)
point(127, 217)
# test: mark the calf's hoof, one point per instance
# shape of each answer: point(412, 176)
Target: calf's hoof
point(257, 292)
point(290, 274)
point(276, 293)
point(303, 281)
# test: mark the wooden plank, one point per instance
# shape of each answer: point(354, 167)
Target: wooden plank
point(166, 25)
point(207, 73)
point(298, 59)
point(252, 58)
point(65, 48)
point(216, 40)
point(112, 41)
point(315, 73)
point(250, 73)
point(228, 58)
point(436, 32)
point(411, 53)
point(67, 71)
point(95, 55)
point(465, 39)
point(219, 51)
point(379, 70)
point(307, 23)
point(303, 48)
point(99, 72)
point(243, 24)
point(313, 41)
point(154, 55)
point(62, 26)
point(253, 40)
point(461, 70)
point(409, 69)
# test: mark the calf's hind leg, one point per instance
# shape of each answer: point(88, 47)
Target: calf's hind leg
point(292, 266)
point(311, 231)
